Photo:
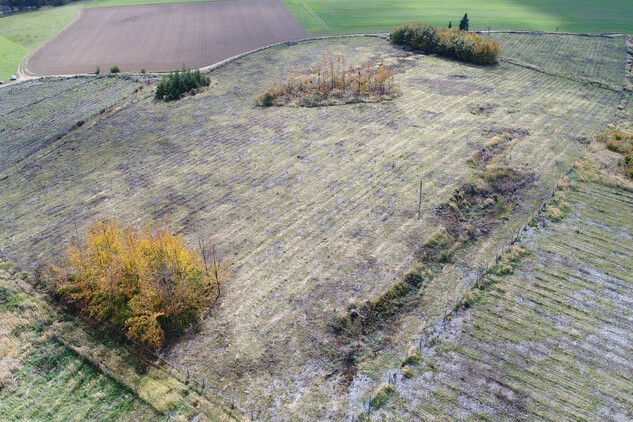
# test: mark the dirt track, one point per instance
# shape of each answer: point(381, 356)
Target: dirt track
point(163, 37)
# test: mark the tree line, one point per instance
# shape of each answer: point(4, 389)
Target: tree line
point(450, 42)
point(24, 5)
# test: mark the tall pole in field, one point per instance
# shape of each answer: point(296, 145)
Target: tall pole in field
point(420, 200)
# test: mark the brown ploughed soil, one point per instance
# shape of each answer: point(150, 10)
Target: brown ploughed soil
point(163, 37)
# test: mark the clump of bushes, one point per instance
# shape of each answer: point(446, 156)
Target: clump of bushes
point(145, 281)
point(620, 141)
point(363, 317)
point(331, 82)
point(508, 262)
point(179, 83)
point(448, 42)
point(473, 210)
point(407, 371)
point(115, 69)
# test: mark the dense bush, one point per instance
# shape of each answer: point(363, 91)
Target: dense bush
point(331, 82)
point(145, 281)
point(115, 69)
point(177, 84)
point(448, 42)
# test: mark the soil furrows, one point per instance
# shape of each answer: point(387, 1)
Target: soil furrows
point(168, 35)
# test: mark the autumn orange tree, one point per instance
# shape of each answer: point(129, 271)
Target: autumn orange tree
point(147, 281)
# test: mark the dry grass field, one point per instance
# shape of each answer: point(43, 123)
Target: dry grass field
point(166, 36)
point(593, 58)
point(38, 113)
point(315, 206)
point(552, 341)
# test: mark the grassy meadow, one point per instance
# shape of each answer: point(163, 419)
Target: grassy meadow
point(360, 16)
point(41, 379)
point(22, 33)
point(55, 367)
point(314, 206)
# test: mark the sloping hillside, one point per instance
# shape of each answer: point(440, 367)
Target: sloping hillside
point(315, 207)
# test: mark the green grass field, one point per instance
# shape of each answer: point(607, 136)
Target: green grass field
point(24, 32)
point(353, 16)
point(10, 55)
point(56, 384)
point(55, 368)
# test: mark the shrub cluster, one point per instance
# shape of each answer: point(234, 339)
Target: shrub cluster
point(473, 210)
point(448, 42)
point(330, 81)
point(177, 84)
point(620, 141)
point(145, 281)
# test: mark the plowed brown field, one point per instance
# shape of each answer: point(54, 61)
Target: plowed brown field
point(163, 37)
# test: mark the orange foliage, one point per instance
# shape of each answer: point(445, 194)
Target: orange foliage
point(331, 80)
point(146, 281)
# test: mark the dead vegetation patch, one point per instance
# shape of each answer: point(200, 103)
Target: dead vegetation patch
point(331, 82)
point(499, 140)
point(620, 141)
point(474, 210)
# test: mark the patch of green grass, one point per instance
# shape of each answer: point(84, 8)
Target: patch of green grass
point(10, 56)
point(354, 16)
point(28, 31)
point(55, 384)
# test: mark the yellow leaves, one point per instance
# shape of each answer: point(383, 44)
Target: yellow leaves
point(147, 329)
point(146, 280)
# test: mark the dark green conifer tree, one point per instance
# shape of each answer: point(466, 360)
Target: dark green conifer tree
point(463, 24)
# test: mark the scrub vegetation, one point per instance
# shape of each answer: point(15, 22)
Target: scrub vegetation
point(330, 82)
point(447, 42)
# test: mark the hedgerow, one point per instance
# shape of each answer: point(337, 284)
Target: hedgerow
point(177, 84)
point(448, 42)
point(145, 281)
